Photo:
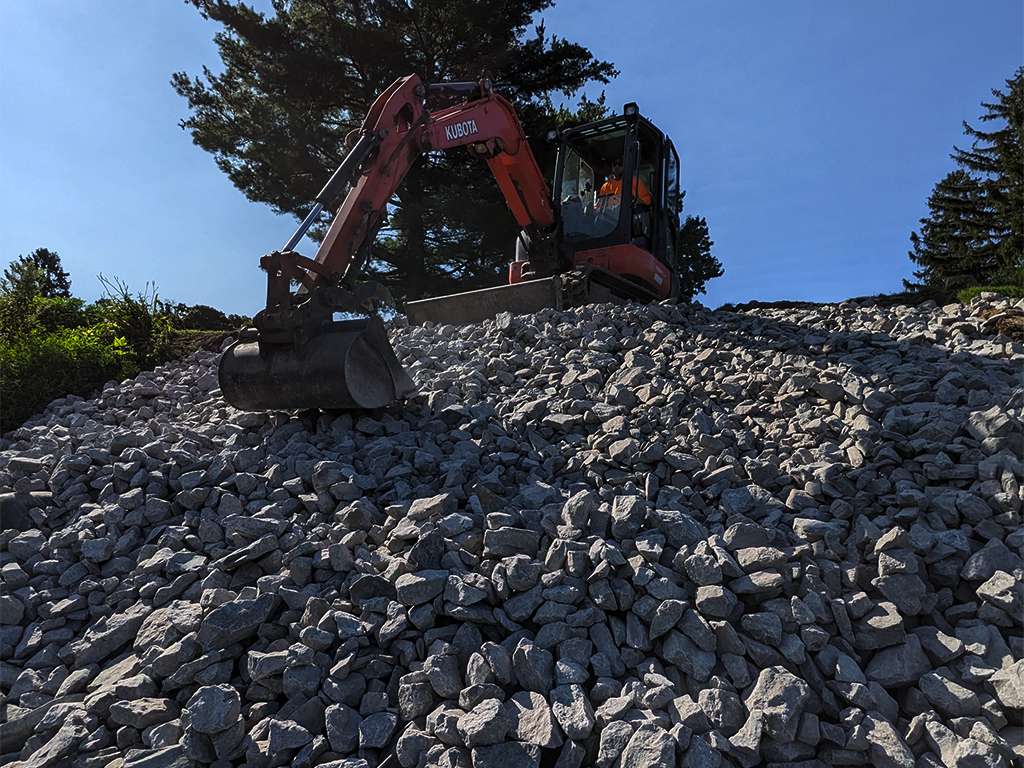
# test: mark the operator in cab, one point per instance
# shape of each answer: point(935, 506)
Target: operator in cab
point(611, 190)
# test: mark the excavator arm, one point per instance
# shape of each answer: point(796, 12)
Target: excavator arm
point(300, 354)
point(397, 130)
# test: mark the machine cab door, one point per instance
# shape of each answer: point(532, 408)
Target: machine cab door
point(605, 182)
point(588, 194)
point(671, 208)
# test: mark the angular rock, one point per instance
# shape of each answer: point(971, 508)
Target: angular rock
point(487, 723)
point(235, 621)
point(573, 711)
point(213, 708)
point(649, 745)
point(533, 721)
point(420, 587)
point(780, 696)
point(898, 665)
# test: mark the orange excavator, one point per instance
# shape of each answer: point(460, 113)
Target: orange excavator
point(607, 232)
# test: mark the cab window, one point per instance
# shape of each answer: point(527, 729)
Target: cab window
point(645, 187)
point(590, 208)
point(673, 202)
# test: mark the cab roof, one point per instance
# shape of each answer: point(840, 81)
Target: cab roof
point(613, 123)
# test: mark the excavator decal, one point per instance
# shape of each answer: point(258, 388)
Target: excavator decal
point(458, 130)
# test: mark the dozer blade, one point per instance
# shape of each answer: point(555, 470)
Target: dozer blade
point(474, 306)
point(349, 364)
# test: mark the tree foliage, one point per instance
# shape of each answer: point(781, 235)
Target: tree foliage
point(974, 230)
point(38, 274)
point(140, 318)
point(56, 345)
point(41, 366)
point(696, 263)
point(295, 82)
point(203, 317)
point(955, 238)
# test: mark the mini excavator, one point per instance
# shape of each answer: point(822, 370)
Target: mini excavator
point(606, 234)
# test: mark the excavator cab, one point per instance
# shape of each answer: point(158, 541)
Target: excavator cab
point(616, 184)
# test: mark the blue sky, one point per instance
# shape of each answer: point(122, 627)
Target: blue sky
point(810, 134)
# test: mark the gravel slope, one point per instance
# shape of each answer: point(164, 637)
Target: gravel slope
point(615, 536)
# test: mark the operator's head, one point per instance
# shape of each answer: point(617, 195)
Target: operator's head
point(617, 168)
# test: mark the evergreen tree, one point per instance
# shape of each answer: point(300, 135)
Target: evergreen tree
point(695, 262)
point(974, 231)
point(38, 274)
point(955, 243)
point(296, 82)
point(998, 157)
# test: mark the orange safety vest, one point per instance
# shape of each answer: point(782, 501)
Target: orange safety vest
point(614, 187)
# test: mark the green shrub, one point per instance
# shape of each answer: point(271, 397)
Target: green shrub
point(51, 346)
point(16, 314)
point(140, 318)
point(39, 367)
point(200, 317)
point(23, 314)
point(52, 314)
point(1010, 291)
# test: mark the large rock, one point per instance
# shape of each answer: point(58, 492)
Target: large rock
point(235, 621)
point(1008, 685)
point(342, 728)
point(949, 697)
point(887, 747)
point(61, 748)
point(420, 587)
point(213, 708)
point(109, 635)
point(142, 713)
point(167, 625)
point(573, 711)
point(649, 745)
point(510, 754)
point(533, 721)
point(487, 723)
point(780, 696)
point(898, 665)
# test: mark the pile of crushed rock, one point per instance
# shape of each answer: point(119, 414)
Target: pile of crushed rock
point(611, 536)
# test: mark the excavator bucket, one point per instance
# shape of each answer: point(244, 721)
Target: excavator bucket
point(347, 364)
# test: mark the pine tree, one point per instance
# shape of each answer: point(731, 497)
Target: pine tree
point(39, 274)
point(296, 82)
point(955, 243)
point(695, 262)
point(997, 156)
point(974, 231)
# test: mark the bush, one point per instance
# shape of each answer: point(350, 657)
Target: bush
point(52, 314)
point(40, 367)
point(200, 317)
point(16, 313)
point(1009, 291)
point(20, 315)
point(141, 319)
point(52, 346)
